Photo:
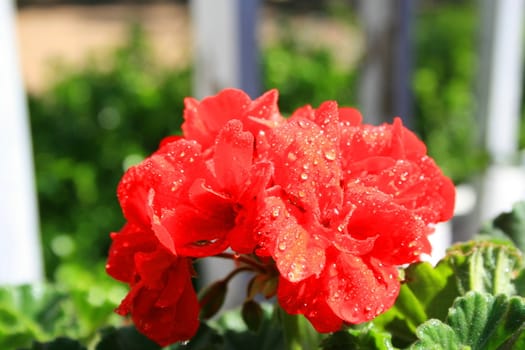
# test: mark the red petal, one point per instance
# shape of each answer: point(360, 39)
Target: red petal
point(360, 289)
point(166, 172)
point(263, 112)
point(199, 234)
point(296, 251)
point(309, 299)
point(306, 166)
point(350, 116)
point(400, 235)
point(392, 159)
point(167, 323)
point(204, 120)
point(233, 157)
point(129, 241)
point(242, 237)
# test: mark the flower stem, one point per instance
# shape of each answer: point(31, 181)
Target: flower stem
point(235, 272)
point(298, 332)
point(244, 259)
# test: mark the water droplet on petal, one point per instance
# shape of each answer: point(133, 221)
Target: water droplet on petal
point(282, 246)
point(275, 212)
point(330, 155)
point(304, 176)
point(303, 123)
point(291, 156)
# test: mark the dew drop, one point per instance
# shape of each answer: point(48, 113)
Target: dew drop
point(301, 194)
point(330, 155)
point(304, 176)
point(282, 246)
point(292, 157)
point(303, 123)
point(291, 276)
point(275, 212)
point(184, 342)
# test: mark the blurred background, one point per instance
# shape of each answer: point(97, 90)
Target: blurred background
point(105, 82)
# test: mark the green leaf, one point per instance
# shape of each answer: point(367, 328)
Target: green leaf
point(230, 332)
point(58, 344)
point(485, 266)
point(33, 312)
point(207, 338)
point(125, 338)
point(298, 332)
point(360, 338)
point(435, 335)
point(236, 334)
point(511, 225)
point(477, 321)
point(428, 291)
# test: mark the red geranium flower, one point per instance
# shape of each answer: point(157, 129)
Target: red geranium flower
point(162, 302)
point(336, 229)
point(198, 207)
point(333, 204)
point(204, 119)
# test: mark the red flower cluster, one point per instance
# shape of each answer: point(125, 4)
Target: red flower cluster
point(331, 204)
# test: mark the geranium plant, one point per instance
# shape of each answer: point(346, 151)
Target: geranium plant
point(320, 207)
point(329, 216)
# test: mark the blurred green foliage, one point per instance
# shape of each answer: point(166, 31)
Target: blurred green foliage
point(444, 86)
point(305, 75)
point(87, 128)
point(95, 121)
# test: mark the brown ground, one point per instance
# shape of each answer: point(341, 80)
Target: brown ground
point(72, 33)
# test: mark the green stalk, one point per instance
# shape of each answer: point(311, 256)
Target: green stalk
point(298, 332)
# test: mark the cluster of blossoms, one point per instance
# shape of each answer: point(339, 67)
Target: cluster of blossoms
point(323, 207)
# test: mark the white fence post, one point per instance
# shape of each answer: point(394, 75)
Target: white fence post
point(225, 46)
point(20, 255)
point(502, 69)
point(225, 55)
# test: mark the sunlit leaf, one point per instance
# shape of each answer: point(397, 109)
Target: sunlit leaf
point(477, 321)
point(428, 292)
point(363, 338)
